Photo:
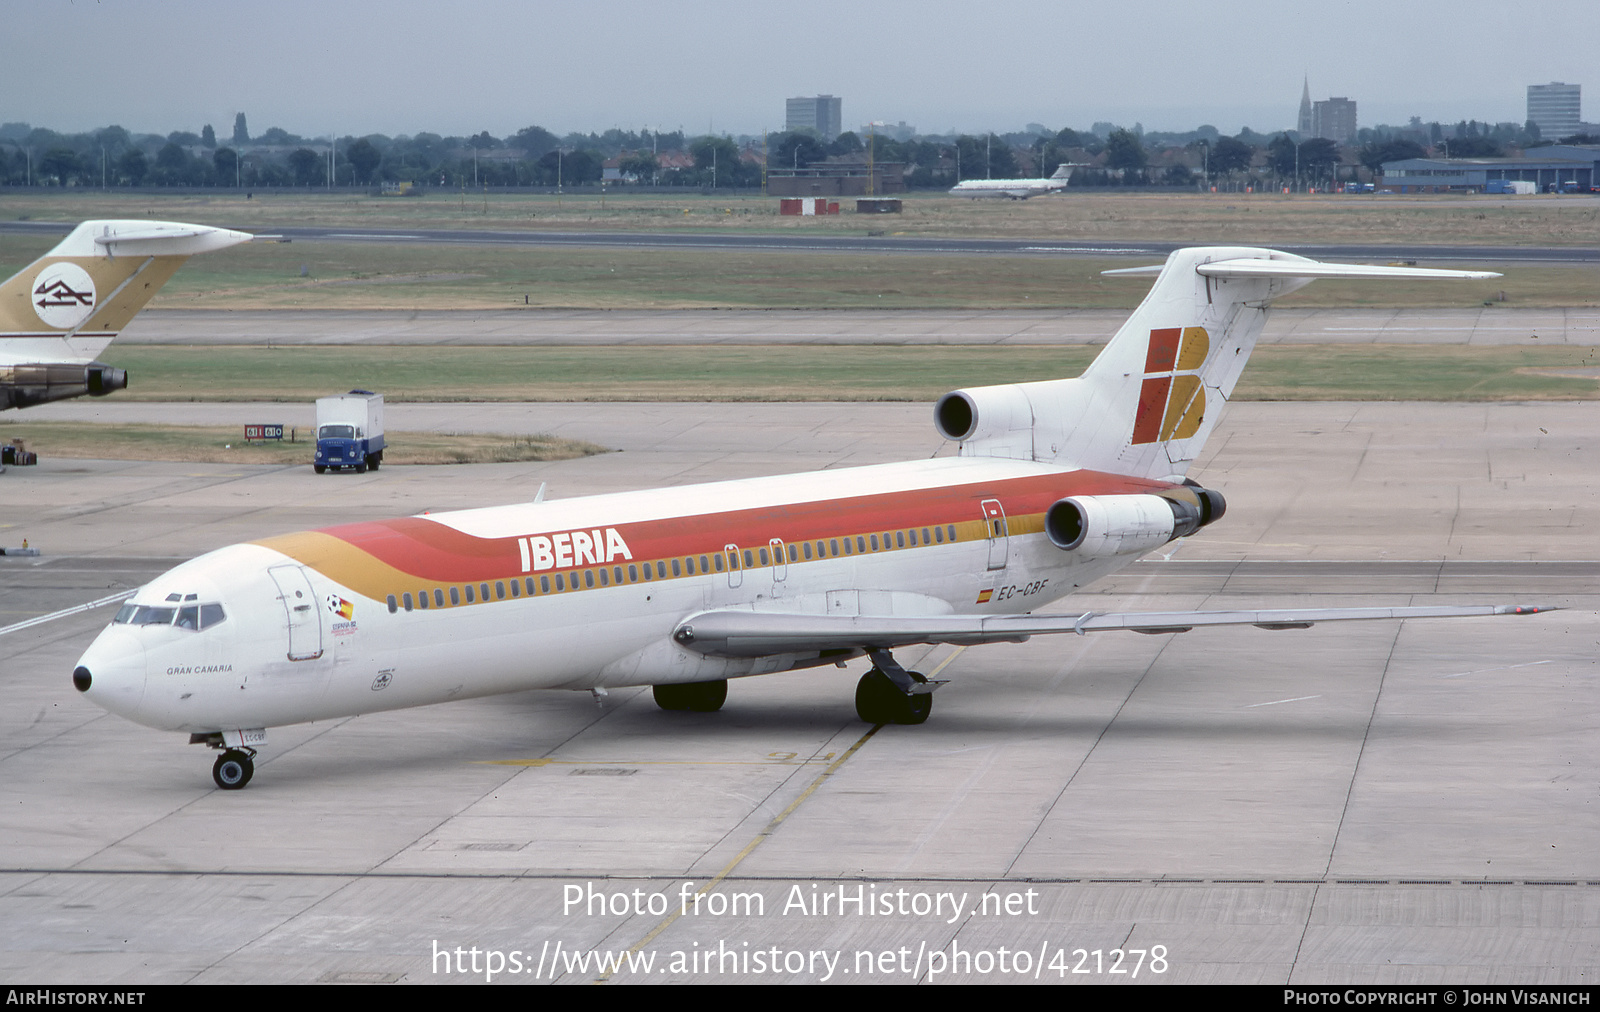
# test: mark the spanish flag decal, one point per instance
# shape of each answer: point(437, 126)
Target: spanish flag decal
point(984, 596)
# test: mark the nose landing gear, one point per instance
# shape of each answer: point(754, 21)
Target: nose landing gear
point(234, 768)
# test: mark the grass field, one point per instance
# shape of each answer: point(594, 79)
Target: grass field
point(813, 373)
point(326, 275)
point(1085, 214)
point(222, 445)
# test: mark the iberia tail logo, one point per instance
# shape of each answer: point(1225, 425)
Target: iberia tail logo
point(1172, 401)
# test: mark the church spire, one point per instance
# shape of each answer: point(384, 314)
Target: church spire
point(1305, 109)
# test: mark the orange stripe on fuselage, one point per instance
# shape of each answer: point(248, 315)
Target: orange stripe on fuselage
point(387, 556)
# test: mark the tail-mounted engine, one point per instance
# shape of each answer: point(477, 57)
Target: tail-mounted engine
point(25, 385)
point(1099, 525)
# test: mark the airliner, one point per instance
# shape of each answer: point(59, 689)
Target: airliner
point(1056, 484)
point(1016, 189)
point(60, 312)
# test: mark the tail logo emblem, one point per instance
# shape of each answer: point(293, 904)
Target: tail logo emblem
point(63, 295)
point(1172, 400)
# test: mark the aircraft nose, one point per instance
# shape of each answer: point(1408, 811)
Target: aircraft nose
point(111, 672)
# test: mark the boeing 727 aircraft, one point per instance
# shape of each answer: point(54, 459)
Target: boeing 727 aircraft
point(1016, 189)
point(58, 314)
point(1057, 484)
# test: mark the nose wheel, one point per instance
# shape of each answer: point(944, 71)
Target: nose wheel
point(234, 768)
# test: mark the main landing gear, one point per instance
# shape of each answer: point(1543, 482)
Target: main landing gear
point(234, 768)
point(699, 697)
point(889, 694)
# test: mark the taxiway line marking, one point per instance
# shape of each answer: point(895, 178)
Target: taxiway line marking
point(755, 842)
point(64, 612)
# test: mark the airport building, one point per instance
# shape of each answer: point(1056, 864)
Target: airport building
point(838, 179)
point(1556, 109)
point(1555, 168)
point(821, 113)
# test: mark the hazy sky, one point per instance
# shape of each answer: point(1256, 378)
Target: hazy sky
point(456, 68)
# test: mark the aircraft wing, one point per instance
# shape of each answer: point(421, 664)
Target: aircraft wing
point(730, 633)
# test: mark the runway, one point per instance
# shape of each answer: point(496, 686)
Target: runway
point(1405, 803)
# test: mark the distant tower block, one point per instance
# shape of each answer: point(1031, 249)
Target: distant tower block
point(1555, 108)
point(821, 113)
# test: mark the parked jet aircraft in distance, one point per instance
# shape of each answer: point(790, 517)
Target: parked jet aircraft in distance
point(1057, 483)
point(59, 313)
point(1016, 189)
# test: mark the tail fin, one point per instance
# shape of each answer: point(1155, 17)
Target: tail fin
point(61, 311)
point(1146, 404)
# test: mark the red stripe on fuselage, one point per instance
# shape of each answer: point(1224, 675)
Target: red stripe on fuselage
point(436, 553)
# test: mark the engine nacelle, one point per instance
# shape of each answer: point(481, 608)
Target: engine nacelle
point(1001, 414)
point(25, 385)
point(1100, 525)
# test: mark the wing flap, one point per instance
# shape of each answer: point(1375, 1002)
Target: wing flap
point(759, 633)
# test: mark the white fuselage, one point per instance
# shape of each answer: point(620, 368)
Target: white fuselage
point(580, 593)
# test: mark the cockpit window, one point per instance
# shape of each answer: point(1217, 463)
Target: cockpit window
point(337, 432)
point(190, 616)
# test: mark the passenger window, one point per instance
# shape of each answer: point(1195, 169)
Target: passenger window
point(500, 590)
point(544, 584)
point(749, 559)
point(925, 539)
point(616, 575)
point(422, 600)
point(649, 574)
point(913, 537)
point(808, 551)
point(688, 564)
point(766, 560)
point(861, 543)
point(633, 573)
point(469, 593)
point(794, 556)
point(483, 589)
point(588, 578)
point(874, 542)
point(405, 599)
point(561, 583)
point(455, 594)
point(394, 605)
point(938, 532)
point(951, 528)
point(705, 564)
point(833, 546)
point(899, 539)
point(516, 589)
point(718, 557)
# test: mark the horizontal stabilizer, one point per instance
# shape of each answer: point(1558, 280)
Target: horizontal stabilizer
point(758, 633)
point(1251, 267)
point(1299, 267)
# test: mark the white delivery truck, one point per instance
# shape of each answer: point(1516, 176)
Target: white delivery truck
point(349, 431)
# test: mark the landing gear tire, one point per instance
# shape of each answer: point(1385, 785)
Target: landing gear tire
point(880, 701)
point(233, 770)
point(699, 697)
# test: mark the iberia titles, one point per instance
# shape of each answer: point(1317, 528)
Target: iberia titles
point(572, 548)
